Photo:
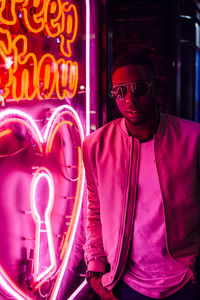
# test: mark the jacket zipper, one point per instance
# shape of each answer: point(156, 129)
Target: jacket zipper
point(118, 272)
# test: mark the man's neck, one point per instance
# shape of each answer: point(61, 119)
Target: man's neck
point(145, 131)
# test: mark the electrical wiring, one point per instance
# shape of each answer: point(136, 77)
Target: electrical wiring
point(66, 166)
point(14, 153)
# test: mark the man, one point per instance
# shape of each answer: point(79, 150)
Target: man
point(143, 224)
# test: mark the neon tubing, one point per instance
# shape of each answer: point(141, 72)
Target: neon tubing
point(71, 240)
point(63, 109)
point(43, 173)
point(17, 120)
point(13, 11)
point(79, 193)
point(54, 123)
point(11, 111)
point(87, 3)
point(19, 84)
point(5, 132)
point(54, 132)
point(8, 285)
point(74, 208)
point(78, 290)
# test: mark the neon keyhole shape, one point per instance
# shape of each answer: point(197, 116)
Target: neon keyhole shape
point(42, 198)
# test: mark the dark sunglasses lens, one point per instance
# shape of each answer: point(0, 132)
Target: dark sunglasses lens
point(140, 88)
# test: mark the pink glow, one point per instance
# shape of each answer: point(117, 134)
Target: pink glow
point(43, 142)
point(63, 109)
point(43, 173)
point(77, 291)
point(28, 125)
point(11, 287)
point(87, 3)
point(5, 132)
point(49, 142)
point(11, 111)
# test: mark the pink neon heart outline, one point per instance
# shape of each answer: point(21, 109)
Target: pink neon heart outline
point(42, 141)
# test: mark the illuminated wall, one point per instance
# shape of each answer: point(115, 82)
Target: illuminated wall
point(45, 105)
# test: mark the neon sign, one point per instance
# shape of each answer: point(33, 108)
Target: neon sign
point(29, 72)
point(26, 74)
point(42, 271)
point(41, 211)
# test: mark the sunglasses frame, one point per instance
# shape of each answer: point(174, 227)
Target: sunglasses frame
point(131, 84)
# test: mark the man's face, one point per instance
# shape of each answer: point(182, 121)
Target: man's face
point(135, 108)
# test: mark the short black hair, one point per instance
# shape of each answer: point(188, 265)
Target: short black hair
point(133, 58)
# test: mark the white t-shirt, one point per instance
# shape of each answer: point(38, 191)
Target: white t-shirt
point(150, 269)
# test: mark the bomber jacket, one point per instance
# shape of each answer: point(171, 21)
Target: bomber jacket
point(111, 159)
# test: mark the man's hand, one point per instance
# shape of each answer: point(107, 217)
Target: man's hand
point(102, 292)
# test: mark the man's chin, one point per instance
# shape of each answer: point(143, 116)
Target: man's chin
point(135, 119)
point(139, 118)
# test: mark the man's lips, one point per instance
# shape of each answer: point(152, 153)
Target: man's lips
point(131, 111)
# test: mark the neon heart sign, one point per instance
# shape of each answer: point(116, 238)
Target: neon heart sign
point(43, 186)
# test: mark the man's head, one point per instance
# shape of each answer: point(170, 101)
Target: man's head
point(133, 87)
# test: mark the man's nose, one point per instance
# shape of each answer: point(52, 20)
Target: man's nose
point(130, 96)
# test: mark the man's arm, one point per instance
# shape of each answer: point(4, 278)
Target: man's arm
point(94, 252)
point(95, 257)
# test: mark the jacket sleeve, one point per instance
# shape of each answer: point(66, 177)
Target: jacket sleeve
point(94, 252)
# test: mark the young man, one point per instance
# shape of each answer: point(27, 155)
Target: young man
point(143, 171)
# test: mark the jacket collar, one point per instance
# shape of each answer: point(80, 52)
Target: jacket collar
point(161, 127)
point(122, 125)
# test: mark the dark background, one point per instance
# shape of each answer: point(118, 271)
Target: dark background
point(168, 31)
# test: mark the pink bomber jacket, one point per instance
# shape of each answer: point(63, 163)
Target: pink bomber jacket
point(111, 159)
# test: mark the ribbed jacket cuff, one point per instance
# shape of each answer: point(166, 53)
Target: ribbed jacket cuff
point(96, 266)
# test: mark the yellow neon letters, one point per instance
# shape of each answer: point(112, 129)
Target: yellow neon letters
point(30, 75)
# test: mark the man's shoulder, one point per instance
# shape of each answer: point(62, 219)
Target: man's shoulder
point(101, 132)
point(183, 124)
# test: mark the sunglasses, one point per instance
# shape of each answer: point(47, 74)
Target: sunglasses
point(138, 88)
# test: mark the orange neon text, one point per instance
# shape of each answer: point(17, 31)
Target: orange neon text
point(24, 73)
point(5, 132)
